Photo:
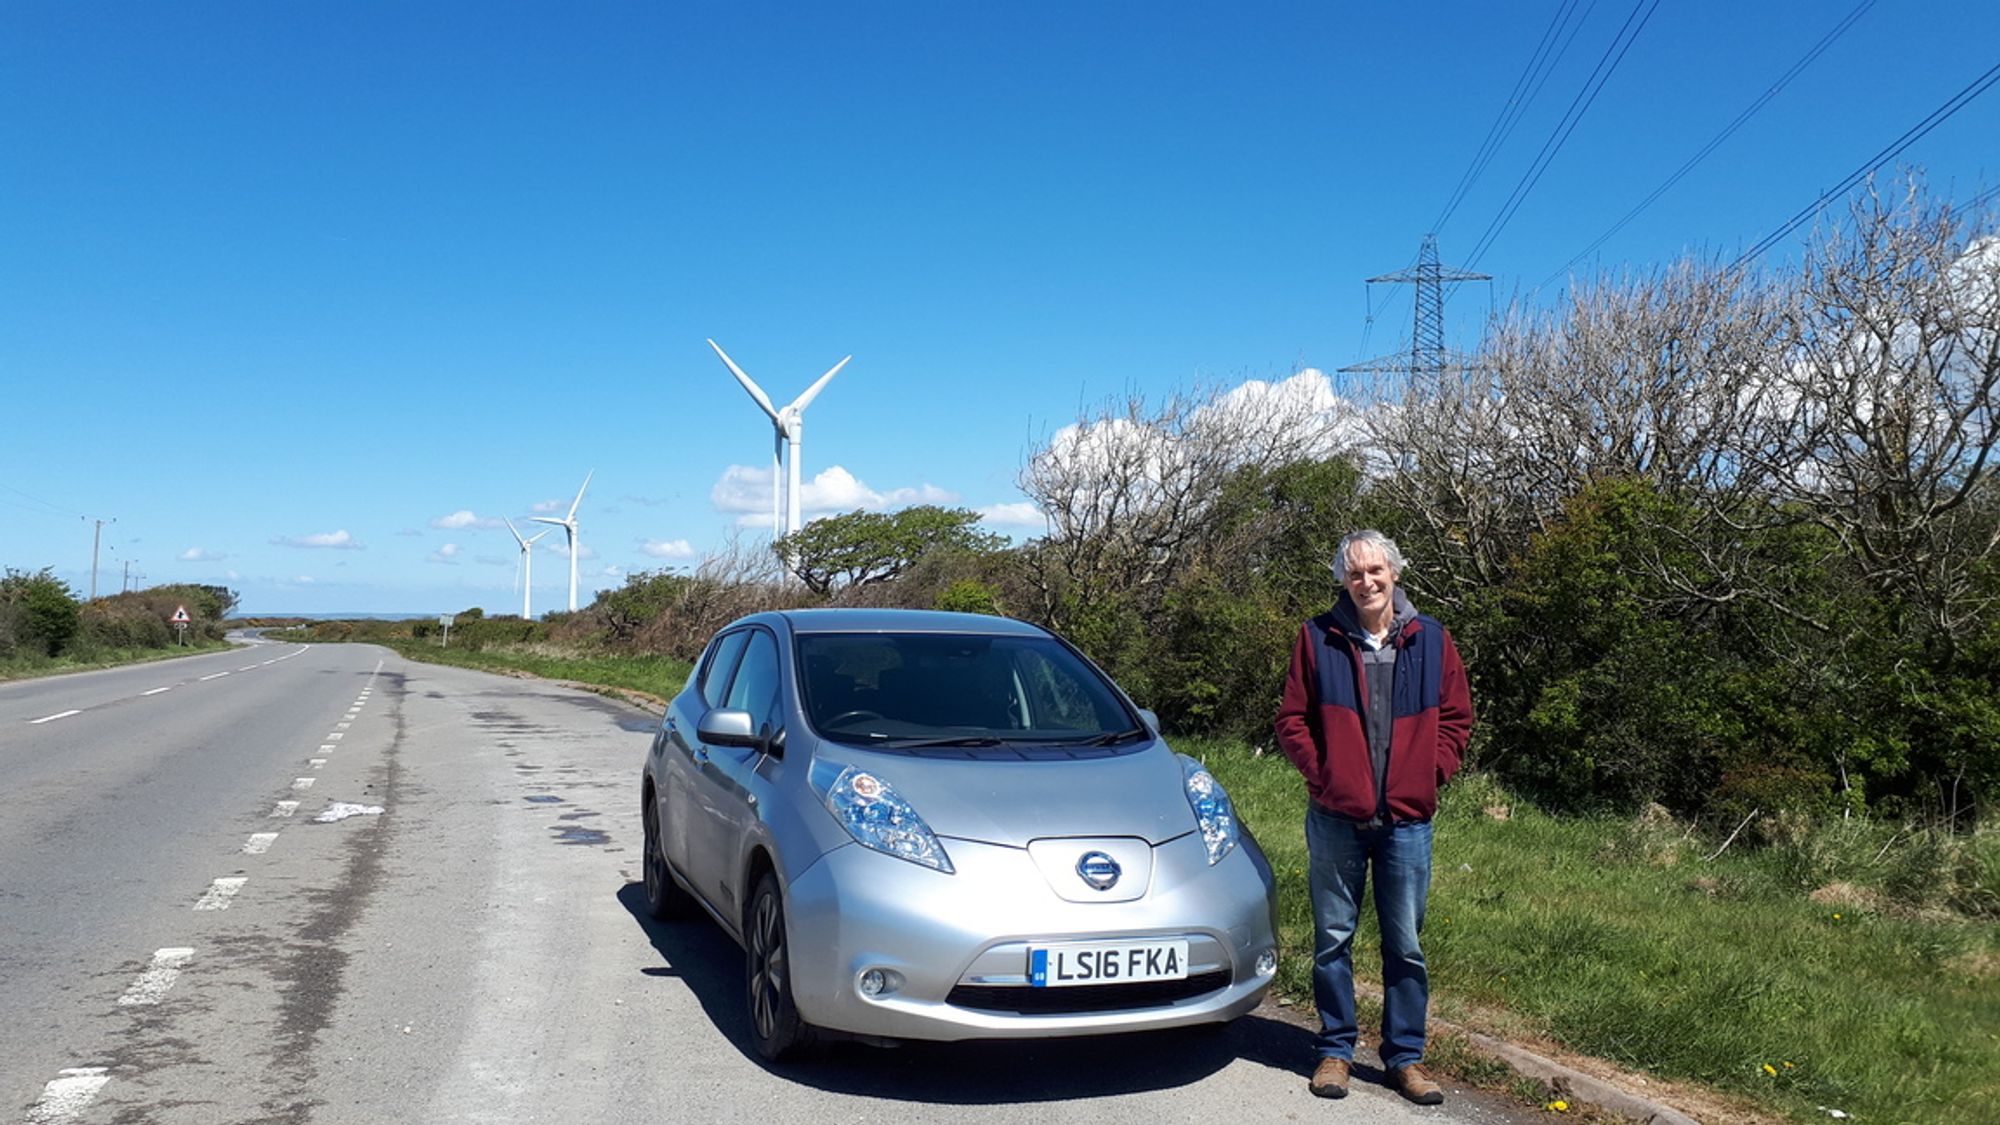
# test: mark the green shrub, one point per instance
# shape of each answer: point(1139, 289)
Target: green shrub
point(42, 611)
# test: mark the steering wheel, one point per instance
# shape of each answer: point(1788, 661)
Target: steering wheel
point(844, 716)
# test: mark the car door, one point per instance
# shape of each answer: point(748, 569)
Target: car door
point(725, 775)
point(682, 755)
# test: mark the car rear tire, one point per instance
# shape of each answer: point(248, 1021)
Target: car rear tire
point(775, 1025)
point(665, 900)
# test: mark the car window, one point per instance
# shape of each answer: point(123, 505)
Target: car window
point(886, 687)
point(721, 662)
point(755, 687)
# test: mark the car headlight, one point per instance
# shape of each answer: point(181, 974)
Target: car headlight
point(877, 816)
point(1212, 809)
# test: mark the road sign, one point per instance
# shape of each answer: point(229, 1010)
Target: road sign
point(180, 616)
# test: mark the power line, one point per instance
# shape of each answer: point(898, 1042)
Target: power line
point(1750, 111)
point(1914, 134)
point(48, 507)
point(1533, 77)
point(1607, 64)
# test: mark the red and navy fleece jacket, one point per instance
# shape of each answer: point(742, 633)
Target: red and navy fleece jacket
point(1322, 729)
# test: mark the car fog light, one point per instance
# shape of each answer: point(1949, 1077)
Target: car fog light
point(1267, 962)
point(878, 982)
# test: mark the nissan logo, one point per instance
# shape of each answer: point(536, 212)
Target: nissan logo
point(1098, 870)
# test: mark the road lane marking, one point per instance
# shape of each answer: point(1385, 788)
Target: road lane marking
point(67, 1095)
point(285, 808)
point(158, 977)
point(342, 726)
point(326, 748)
point(259, 843)
point(220, 892)
point(268, 663)
point(302, 783)
point(335, 737)
point(315, 762)
point(216, 676)
point(248, 668)
point(156, 691)
point(52, 718)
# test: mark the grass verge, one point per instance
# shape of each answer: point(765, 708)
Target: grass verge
point(656, 677)
point(28, 669)
point(1624, 941)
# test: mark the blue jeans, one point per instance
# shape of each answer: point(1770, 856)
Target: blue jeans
point(1342, 854)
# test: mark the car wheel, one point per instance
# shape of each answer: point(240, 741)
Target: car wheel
point(774, 1020)
point(665, 900)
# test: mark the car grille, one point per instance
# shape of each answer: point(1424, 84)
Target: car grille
point(1026, 1001)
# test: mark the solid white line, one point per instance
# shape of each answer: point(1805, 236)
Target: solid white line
point(158, 977)
point(217, 676)
point(259, 843)
point(156, 691)
point(302, 783)
point(285, 808)
point(53, 718)
point(220, 892)
point(268, 663)
point(66, 1097)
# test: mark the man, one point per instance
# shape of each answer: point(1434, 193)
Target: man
point(1375, 716)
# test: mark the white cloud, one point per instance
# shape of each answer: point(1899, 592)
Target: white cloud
point(561, 548)
point(201, 554)
point(334, 540)
point(231, 575)
point(543, 507)
point(613, 571)
point(1019, 514)
point(667, 549)
point(747, 491)
point(447, 554)
point(464, 518)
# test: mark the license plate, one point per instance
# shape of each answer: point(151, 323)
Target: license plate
point(1107, 962)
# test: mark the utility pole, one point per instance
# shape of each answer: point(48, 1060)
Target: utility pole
point(95, 537)
point(1427, 352)
point(125, 583)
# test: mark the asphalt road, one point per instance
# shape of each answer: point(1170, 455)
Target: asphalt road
point(180, 944)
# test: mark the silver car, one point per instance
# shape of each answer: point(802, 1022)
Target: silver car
point(947, 826)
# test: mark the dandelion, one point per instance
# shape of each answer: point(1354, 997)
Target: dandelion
point(1788, 1066)
point(1770, 1071)
point(1557, 1106)
point(1836, 915)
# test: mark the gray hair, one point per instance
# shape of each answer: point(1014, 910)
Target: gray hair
point(1375, 539)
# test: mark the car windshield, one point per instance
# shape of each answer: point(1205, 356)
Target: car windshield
point(910, 690)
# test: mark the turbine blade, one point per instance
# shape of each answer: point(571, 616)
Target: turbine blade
point(548, 519)
point(812, 392)
point(531, 539)
point(756, 392)
point(579, 494)
point(517, 533)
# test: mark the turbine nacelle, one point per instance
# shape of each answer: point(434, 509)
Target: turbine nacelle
point(789, 425)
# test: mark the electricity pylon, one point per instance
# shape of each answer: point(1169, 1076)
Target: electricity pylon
point(1427, 352)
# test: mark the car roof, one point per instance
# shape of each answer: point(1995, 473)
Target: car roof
point(903, 621)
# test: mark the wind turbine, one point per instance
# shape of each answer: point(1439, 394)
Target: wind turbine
point(527, 565)
point(568, 524)
point(789, 425)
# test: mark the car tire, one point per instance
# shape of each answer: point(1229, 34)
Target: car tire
point(666, 901)
point(775, 1026)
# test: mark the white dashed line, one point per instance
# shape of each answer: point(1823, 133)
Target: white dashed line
point(68, 1095)
point(326, 748)
point(302, 783)
point(268, 663)
point(52, 718)
point(157, 979)
point(315, 762)
point(220, 892)
point(285, 808)
point(248, 668)
point(335, 737)
point(259, 843)
point(216, 676)
point(342, 726)
point(156, 691)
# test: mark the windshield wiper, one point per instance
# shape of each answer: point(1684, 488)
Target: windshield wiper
point(923, 743)
point(1109, 738)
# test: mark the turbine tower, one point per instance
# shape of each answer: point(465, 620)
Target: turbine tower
point(527, 565)
point(789, 437)
point(568, 524)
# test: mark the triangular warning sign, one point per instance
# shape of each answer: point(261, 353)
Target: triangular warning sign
point(180, 616)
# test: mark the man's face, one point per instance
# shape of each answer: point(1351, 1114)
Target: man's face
point(1369, 580)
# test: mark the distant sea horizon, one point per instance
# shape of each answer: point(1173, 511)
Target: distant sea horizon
point(242, 613)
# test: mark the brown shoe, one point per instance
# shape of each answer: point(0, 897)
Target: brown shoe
point(1329, 1079)
point(1416, 1085)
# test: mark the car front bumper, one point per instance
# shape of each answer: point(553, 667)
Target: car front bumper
point(929, 933)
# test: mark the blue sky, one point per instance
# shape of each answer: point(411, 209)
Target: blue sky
point(274, 273)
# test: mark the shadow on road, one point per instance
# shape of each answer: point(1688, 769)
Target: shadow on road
point(710, 965)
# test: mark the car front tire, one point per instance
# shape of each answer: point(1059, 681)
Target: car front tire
point(775, 1025)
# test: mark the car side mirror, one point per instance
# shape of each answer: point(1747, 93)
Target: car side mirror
point(1151, 719)
point(728, 726)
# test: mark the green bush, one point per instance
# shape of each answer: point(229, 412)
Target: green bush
point(41, 612)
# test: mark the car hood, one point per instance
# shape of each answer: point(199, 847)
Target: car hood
point(1011, 802)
